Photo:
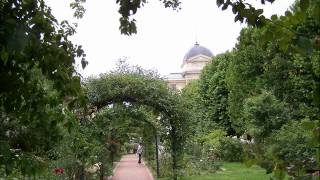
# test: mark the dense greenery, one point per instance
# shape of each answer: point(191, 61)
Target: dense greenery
point(266, 95)
point(39, 84)
point(258, 104)
point(138, 89)
point(213, 93)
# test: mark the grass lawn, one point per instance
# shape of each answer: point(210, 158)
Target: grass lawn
point(233, 171)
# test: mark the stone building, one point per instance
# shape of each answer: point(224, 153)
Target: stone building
point(193, 62)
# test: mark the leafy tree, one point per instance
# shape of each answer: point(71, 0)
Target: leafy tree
point(39, 82)
point(296, 63)
point(263, 114)
point(191, 95)
point(285, 76)
point(214, 93)
point(243, 76)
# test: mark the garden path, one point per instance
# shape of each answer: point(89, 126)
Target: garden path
point(129, 169)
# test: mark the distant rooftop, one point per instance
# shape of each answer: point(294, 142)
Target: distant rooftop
point(197, 50)
point(174, 76)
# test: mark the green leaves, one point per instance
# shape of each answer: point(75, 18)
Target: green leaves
point(290, 149)
point(127, 27)
point(174, 4)
point(135, 87)
point(304, 4)
point(243, 11)
point(128, 9)
point(4, 56)
point(263, 114)
point(274, 17)
point(219, 2)
point(213, 94)
point(79, 8)
point(305, 45)
point(270, 83)
point(314, 128)
point(37, 68)
point(224, 7)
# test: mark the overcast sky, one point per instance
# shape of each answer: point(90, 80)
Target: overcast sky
point(164, 35)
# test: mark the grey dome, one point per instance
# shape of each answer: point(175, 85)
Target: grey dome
point(197, 50)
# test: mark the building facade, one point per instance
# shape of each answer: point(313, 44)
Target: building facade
point(193, 62)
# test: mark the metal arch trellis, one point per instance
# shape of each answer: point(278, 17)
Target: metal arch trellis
point(143, 90)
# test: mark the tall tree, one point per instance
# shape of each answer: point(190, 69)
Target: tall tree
point(38, 80)
point(243, 75)
point(276, 89)
point(214, 93)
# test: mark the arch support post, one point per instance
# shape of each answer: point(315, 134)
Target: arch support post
point(157, 154)
point(174, 154)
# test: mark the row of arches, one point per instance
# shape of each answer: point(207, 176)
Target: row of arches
point(133, 91)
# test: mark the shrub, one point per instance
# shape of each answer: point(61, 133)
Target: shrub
point(290, 148)
point(230, 149)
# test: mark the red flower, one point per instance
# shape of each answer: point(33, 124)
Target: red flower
point(58, 170)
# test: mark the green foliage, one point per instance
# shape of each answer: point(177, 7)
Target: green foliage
point(288, 29)
point(212, 139)
point(128, 9)
point(213, 94)
point(76, 151)
point(263, 114)
point(128, 148)
point(216, 146)
point(113, 127)
point(268, 84)
point(245, 11)
point(280, 28)
point(230, 150)
point(39, 84)
point(289, 148)
point(243, 76)
point(166, 164)
point(78, 7)
point(138, 89)
point(275, 88)
point(282, 90)
point(191, 96)
point(210, 150)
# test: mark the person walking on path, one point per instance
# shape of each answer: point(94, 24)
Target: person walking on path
point(139, 152)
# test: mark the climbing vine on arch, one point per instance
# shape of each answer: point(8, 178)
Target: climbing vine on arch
point(137, 88)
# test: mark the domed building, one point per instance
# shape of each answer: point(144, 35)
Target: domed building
point(193, 62)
